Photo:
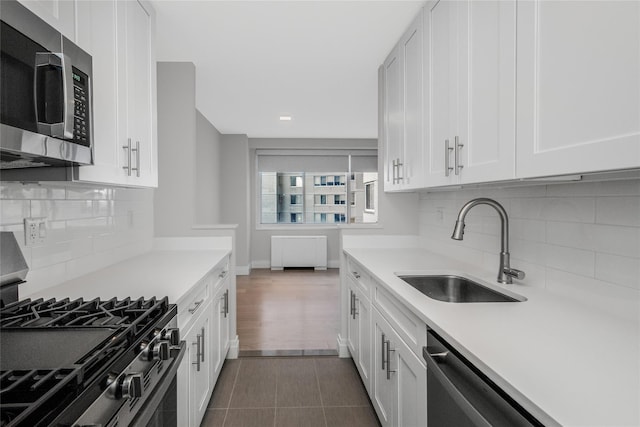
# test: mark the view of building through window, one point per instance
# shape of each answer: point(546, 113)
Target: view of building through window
point(318, 197)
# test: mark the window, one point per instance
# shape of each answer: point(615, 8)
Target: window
point(369, 197)
point(314, 186)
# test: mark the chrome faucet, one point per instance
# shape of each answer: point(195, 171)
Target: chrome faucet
point(506, 273)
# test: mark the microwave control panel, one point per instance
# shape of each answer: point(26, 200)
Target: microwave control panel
point(81, 131)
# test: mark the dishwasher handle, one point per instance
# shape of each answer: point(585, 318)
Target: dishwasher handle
point(434, 358)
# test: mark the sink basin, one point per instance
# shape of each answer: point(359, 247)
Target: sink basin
point(455, 289)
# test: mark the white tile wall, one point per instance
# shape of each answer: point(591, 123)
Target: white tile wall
point(582, 236)
point(88, 227)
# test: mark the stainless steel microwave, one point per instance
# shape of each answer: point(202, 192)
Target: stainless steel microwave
point(46, 94)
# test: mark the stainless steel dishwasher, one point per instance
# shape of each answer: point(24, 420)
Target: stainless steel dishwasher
point(458, 394)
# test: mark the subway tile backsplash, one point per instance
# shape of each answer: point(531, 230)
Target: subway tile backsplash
point(572, 238)
point(88, 227)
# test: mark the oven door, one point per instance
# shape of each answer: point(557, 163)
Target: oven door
point(160, 409)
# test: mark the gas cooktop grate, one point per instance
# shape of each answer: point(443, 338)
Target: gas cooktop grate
point(21, 390)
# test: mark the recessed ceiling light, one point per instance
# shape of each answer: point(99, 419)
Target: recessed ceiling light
point(285, 118)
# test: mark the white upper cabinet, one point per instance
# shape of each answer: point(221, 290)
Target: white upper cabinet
point(469, 91)
point(120, 36)
point(60, 14)
point(578, 87)
point(403, 112)
point(393, 138)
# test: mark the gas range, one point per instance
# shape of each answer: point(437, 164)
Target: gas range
point(96, 362)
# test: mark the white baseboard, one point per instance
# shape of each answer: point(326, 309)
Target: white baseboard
point(261, 264)
point(234, 348)
point(343, 347)
point(242, 270)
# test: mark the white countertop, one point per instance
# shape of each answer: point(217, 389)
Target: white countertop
point(158, 273)
point(565, 361)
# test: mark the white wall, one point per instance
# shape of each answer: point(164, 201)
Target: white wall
point(564, 236)
point(208, 178)
point(88, 227)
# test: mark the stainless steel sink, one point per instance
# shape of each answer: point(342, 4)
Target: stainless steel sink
point(455, 289)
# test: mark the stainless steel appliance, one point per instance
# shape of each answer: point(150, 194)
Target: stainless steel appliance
point(13, 268)
point(89, 363)
point(45, 94)
point(458, 394)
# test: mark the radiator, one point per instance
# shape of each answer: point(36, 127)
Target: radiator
point(298, 251)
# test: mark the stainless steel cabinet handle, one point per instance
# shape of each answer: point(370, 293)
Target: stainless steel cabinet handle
point(195, 306)
point(197, 344)
point(202, 341)
point(389, 371)
point(382, 354)
point(351, 303)
point(356, 275)
point(458, 146)
point(137, 150)
point(447, 158)
point(128, 148)
point(398, 164)
point(222, 275)
point(225, 299)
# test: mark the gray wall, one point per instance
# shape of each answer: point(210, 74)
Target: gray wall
point(174, 197)
point(235, 193)
point(189, 157)
point(208, 176)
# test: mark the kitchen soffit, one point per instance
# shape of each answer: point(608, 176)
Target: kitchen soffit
point(258, 60)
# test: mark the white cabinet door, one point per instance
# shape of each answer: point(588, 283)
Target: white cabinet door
point(393, 118)
point(359, 332)
point(403, 112)
point(60, 14)
point(120, 36)
point(470, 98)
point(411, 171)
point(200, 386)
point(97, 33)
point(384, 393)
point(411, 378)
point(140, 96)
point(440, 91)
point(578, 86)
point(486, 126)
point(400, 379)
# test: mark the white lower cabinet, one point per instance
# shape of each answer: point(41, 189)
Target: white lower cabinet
point(359, 332)
point(199, 357)
point(399, 378)
point(203, 319)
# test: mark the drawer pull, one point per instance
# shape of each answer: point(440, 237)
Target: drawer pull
point(195, 306)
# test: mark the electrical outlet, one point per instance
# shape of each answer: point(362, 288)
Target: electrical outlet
point(35, 231)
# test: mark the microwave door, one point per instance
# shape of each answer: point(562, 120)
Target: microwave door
point(54, 100)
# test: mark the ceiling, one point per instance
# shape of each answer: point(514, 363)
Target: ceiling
point(257, 60)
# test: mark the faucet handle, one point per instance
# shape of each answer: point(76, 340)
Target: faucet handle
point(513, 272)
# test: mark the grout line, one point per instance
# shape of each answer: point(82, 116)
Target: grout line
point(324, 414)
point(275, 397)
point(235, 380)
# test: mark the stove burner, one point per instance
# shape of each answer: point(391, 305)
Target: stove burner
point(56, 352)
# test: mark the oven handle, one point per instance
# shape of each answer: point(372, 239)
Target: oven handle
point(435, 357)
point(146, 412)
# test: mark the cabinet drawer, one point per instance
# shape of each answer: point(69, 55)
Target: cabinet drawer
point(219, 274)
point(193, 303)
point(358, 275)
point(408, 325)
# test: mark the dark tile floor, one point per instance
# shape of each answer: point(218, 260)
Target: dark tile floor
point(289, 392)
